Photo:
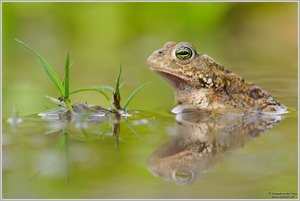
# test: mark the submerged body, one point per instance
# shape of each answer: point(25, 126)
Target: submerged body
point(200, 81)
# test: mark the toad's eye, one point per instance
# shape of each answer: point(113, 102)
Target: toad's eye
point(184, 52)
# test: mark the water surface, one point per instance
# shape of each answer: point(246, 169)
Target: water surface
point(154, 155)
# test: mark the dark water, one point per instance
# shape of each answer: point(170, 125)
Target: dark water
point(151, 155)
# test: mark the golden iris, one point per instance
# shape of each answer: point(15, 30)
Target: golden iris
point(183, 53)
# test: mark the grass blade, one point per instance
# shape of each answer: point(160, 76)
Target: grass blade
point(118, 84)
point(117, 94)
point(56, 101)
point(133, 94)
point(69, 105)
point(48, 68)
point(91, 89)
point(122, 84)
point(66, 81)
point(104, 87)
point(63, 81)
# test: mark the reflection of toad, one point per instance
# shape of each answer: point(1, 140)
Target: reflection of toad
point(202, 140)
point(200, 81)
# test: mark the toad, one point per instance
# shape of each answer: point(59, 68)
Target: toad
point(200, 81)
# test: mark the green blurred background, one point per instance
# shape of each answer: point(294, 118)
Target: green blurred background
point(256, 40)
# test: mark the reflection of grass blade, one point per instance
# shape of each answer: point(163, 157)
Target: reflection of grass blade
point(63, 146)
point(48, 68)
point(46, 165)
point(14, 120)
point(116, 133)
point(67, 155)
point(132, 128)
point(91, 89)
point(133, 94)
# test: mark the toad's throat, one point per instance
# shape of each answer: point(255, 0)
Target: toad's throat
point(176, 81)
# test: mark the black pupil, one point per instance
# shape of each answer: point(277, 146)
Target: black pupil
point(183, 52)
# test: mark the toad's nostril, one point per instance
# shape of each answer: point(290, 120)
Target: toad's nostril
point(160, 52)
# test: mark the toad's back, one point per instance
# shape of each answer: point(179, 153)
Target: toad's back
point(198, 80)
